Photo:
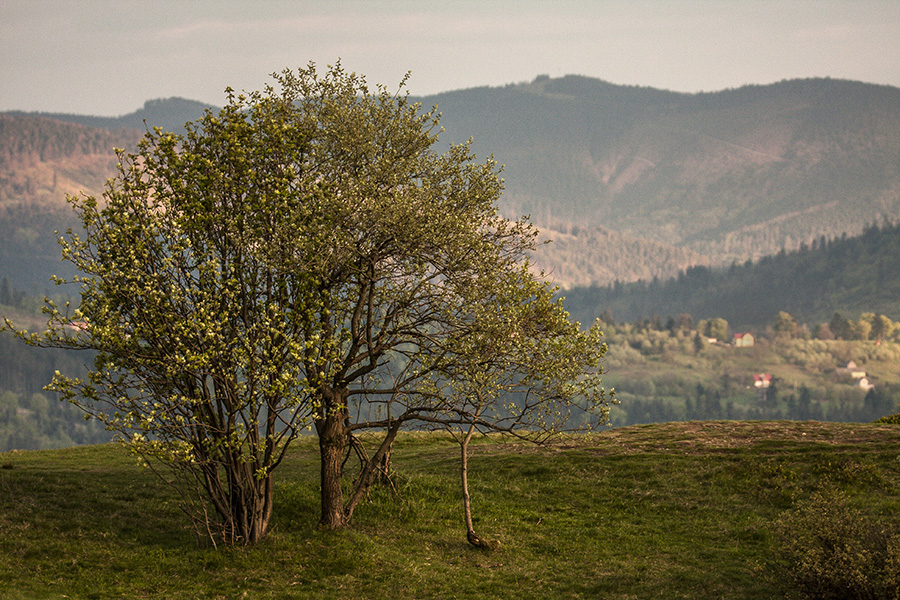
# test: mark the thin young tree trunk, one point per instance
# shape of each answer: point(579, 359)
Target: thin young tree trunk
point(471, 536)
point(464, 476)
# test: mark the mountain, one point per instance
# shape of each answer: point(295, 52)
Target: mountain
point(41, 161)
point(168, 113)
point(729, 175)
point(43, 158)
point(852, 275)
point(631, 182)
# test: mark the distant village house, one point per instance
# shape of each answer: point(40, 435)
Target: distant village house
point(865, 384)
point(763, 380)
point(858, 375)
point(743, 340)
point(852, 370)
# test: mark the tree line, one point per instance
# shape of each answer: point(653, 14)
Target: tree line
point(32, 418)
point(850, 274)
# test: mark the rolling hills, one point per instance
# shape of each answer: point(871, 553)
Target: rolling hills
point(735, 204)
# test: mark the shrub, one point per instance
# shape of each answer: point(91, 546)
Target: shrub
point(893, 419)
point(828, 550)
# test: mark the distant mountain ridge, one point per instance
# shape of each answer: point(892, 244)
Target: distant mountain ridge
point(168, 113)
point(632, 182)
point(729, 175)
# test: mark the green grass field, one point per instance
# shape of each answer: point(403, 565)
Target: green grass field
point(681, 510)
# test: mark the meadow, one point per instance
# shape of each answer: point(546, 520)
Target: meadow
point(677, 510)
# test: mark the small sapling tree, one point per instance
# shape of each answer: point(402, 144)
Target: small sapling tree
point(523, 370)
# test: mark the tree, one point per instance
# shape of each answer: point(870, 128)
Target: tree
point(860, 330)
point(519, 371)
point(303, 258)
point(785, 325)
point(699, 343)
point(717, 328)
point(822, 331)
point(881, 327)
point(840, 327)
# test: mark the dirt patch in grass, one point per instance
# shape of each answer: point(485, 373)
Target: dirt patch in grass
point(704, 437)
point(697, 437)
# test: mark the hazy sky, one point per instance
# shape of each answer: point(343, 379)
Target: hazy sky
point(106, 57)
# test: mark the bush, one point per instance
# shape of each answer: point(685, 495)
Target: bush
point(829, 550)
point(893, 419)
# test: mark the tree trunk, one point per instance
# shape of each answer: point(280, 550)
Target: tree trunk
point(261, 510)
point(251, 505)
point(464, 476)
point(384, 467)
point(334, 436)
point(369, 469)
point(243, 505)
point(471, 536)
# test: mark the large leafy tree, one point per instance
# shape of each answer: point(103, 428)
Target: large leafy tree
point(305, 258)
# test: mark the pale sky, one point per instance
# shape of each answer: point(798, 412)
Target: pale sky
point(106, 57)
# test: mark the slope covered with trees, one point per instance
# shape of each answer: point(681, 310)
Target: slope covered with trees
point(30, 417)
point(41, 161)
point(574, 255)
point(631, 183)
point(849, 274)
point(731, 175)
point(722, 176)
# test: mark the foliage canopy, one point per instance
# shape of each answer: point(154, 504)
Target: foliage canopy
point(305, 259)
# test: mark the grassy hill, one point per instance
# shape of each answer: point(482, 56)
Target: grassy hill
point(686, 510)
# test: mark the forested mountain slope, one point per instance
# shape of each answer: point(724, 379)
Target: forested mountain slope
point(41, 161)
point(572, 255)
point(852, 275)
point(707, 178)
point(730, 175)
point(44, 157)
